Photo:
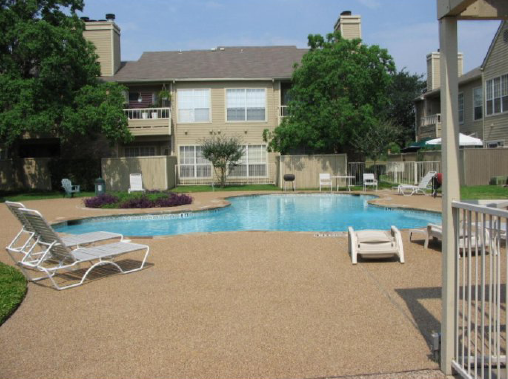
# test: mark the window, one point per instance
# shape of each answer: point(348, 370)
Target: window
point(461, 108)
point(134, 96)
point(253, 162)
point(193, 105)
point(497, 95)
point(140, 151)
point(246, 104)
point(192, 163)
point(477, 103)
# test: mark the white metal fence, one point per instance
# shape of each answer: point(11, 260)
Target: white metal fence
point(146, 113)
point(243, 174)
point(393, 172)
point(480, 342)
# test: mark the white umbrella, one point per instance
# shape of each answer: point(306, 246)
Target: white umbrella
point(463, 141)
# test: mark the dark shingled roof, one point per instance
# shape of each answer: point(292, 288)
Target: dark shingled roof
point(232, 62)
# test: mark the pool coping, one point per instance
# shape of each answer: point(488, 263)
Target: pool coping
point(226, 203)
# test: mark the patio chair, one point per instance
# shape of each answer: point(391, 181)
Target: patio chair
point(136, 183)
point(26, 237)
point(369, 180)
point(324, 181)
point(409, 190)
point(54, 256)
point(69, 188)
point(375, 244)
point(435, 231)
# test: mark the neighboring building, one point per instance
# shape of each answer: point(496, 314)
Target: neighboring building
point(483, 96)
point(225, 90)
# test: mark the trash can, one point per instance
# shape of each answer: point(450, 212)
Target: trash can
point(100, 186)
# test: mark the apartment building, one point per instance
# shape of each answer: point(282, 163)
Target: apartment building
point(176, 99)
point(483, 96)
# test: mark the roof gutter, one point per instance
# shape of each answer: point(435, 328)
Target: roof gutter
point(197, 80)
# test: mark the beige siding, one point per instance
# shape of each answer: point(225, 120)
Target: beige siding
point(116, 51)
point(28, 173)
point(102, 41)
point(482, 164)
point(249, 132)
point(116, 171)
point(496, 126)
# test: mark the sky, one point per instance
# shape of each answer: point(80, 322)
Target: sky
point(407, 28)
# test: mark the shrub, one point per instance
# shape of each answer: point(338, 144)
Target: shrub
point(137, 202)
point(100, 201)
point(173, 200)
point(150, 199)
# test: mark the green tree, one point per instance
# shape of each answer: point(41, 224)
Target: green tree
point(375, 141)
point(49, 75)
point(223, 152)
point(340, 87)
point(402, 92)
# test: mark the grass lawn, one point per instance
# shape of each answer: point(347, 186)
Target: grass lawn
point(483, 192)
point(37, 195)
point(12, 290)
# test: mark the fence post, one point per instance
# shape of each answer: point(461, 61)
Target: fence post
point(416, 173)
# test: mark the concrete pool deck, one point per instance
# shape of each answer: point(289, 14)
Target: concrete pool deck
point(231, 305)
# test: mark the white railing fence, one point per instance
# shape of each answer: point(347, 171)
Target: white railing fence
point(393, 172)
point(480, 342)
point(253, 174)
point(146, 113)
point(430, 120)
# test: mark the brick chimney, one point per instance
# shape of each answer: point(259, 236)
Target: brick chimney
point(349, 26)
point(105, 35)
point(434, 71)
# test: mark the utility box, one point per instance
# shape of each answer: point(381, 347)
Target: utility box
point(100, 186)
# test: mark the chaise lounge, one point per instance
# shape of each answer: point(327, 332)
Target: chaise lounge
point(375, 244)
point(49, 254)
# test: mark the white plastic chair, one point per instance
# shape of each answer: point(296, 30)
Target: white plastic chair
point(369, 180)
point(375, 244)
point(409, 190)
point(69, 188)
point(325, 180)
point(136, 183)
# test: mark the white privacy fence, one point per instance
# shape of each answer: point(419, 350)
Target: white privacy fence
point(480, 266)
point(393, 172)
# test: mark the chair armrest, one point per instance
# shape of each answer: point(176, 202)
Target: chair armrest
point(75, 188)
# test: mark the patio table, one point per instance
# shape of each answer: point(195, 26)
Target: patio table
point(347, 178)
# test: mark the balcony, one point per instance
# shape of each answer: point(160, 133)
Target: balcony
point(149, 121)
point(430, 126)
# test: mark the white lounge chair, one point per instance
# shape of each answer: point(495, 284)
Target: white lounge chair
point(375, 244)
point(136, 183)
point(54, 256)
point(325, 180)
point(425, 182)
point(20, 244)
point(435, 231)
point(369, 180)
point(69, 188)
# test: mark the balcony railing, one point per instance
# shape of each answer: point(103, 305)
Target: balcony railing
point(479, 336)
point(433, 119)
point(149, 121)
point(147, 113)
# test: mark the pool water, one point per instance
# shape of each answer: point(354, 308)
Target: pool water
point(312, 212)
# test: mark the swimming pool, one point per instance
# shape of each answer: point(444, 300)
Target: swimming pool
point(308, 212)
